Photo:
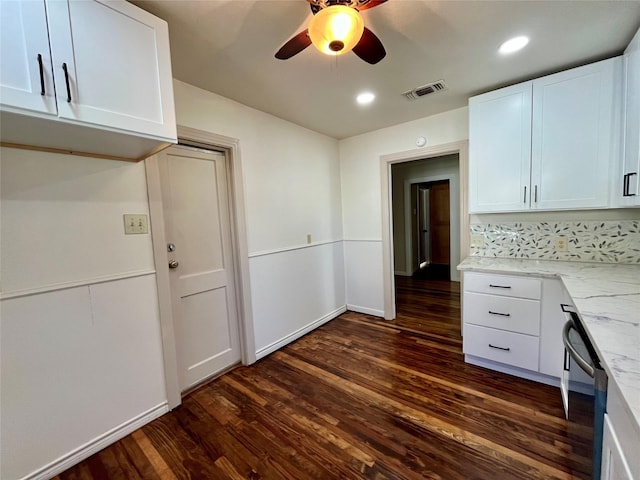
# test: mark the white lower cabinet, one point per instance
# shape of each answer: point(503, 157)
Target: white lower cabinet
point(620, 439)
point(514, 321)
point(614, 464)
point(502, 346)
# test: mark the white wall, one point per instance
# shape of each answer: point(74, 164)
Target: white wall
point(80, 346)
point(420, 171)
point(292, 189)
point(361, 197)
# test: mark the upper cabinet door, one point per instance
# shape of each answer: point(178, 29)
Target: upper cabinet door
point(112, 66)
point(576, 136)
point(629, 184)
point(500, 152)
point(26, 82)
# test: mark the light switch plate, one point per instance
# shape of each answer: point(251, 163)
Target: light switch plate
point(135, 224)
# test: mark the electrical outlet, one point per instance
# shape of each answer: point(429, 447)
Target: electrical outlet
point(562, 244)
point(477, 241)
point(135, 224)
point(308, 238)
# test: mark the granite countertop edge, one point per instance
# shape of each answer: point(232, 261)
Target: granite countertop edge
point(607, 297)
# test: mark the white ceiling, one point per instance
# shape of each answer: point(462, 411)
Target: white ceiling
point(228, 47)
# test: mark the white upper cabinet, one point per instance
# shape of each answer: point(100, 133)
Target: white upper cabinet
point(500, 156)
point(111, 68)
point(555, 152)
point(629, 183)
point(575, 141)
point(25, 71)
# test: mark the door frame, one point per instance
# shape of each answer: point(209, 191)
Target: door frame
point(462, 149)
point(231, 147)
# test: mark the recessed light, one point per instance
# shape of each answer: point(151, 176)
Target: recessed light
point(513, 45)
point(365, 98)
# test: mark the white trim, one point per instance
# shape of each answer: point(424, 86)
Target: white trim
point(365, 310)
point(462, 149)
point(78, 283)
point(289, 249)
point(263, 352)
point(402, 274)
point(374, 240)
point(93, 446)
point(159, 242)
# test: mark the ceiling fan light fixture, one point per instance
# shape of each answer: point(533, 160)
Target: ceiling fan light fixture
point(336, 29)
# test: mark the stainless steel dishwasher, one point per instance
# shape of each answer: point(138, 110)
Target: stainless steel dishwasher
point(581, 358)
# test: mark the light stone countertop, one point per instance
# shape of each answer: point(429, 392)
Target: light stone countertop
point(607, 297)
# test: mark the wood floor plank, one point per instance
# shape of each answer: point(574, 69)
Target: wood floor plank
point(360, 398)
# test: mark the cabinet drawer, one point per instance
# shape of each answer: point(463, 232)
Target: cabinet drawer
point(506, 313)
point(506, 285)
point(506, 347)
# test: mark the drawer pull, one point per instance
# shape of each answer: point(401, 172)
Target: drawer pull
point(500, 348)
point(498, 313)
point(498, 286)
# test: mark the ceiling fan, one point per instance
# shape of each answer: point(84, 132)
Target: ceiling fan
point(336, 28)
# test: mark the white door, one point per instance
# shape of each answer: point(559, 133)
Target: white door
point(197, 223)
point(26, 81)
point(120, 80)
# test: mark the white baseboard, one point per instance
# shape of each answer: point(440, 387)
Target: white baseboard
point(85, 451)
point(263, 352)
point(511, 370)
point(365, 310)
point(402, 274)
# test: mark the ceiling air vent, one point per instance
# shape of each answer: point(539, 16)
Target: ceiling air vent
point(434, 87)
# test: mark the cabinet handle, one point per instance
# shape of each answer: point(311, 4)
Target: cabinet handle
point(524, 198)
point(498, 313)
point(626, 183)
point(498, 286)
point(535, 194)
point(66, 79)
point(41, 68)
point(500, 348)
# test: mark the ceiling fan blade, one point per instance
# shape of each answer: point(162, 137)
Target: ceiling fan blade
point(294, 46)
point(370, 48)
point(369, 4)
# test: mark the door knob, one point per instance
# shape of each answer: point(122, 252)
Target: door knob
point(173, 264)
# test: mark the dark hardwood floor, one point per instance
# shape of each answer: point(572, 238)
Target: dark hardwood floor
point(358, 398)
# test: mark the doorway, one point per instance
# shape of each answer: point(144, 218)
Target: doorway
point(431, 230)
point(391, 263)
point(228, 272)
point(201, 271)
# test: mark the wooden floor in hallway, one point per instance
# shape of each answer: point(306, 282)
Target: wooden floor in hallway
point(358, 398)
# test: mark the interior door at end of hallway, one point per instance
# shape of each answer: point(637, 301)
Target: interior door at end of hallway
point(203, 293)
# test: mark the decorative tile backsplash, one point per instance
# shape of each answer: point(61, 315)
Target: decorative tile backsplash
point(588, 241)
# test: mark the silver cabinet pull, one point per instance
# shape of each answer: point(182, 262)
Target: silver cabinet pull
point(173, 264)
point(535, 194)
point(524, 198)
point(498, 313)
point(500, 348)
